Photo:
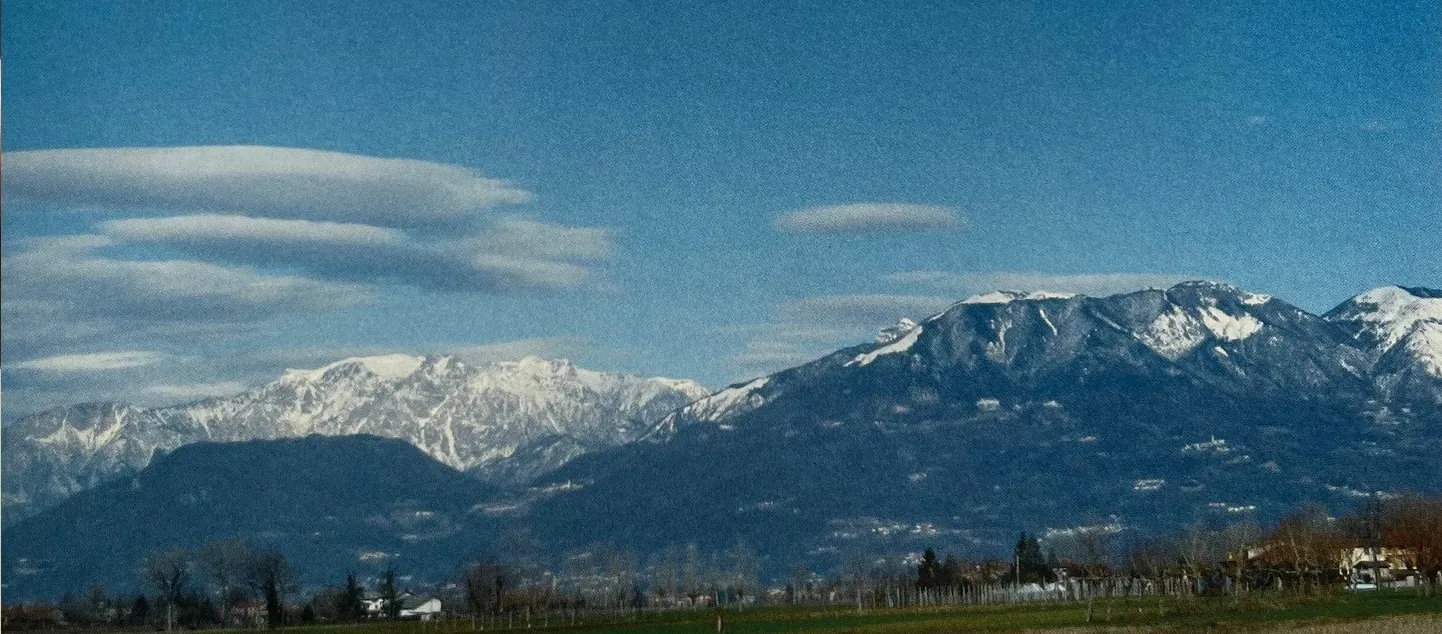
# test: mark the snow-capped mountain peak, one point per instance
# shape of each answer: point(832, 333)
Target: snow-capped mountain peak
point(470, 417)
point(1404, 327)
point(1389, 313)
point(386, 367)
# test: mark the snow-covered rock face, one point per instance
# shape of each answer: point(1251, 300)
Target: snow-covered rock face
point(1388, 314)
point(894, 346)
point(1173, 333)
point(1424, 344)
point(1403, 327)
point(732, 401)
point(892, 333)
point(466, 416)
point(1183, 327)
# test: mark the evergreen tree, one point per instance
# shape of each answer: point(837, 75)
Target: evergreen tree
point(390, 598)
point(139, 610)
point(349, 604)
point(1029, 564)
point(928, 571)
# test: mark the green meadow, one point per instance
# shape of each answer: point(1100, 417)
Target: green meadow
point(1401, 612)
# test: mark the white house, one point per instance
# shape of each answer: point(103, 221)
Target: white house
point(375, 606)
point(420, 607)
point(1370, 568)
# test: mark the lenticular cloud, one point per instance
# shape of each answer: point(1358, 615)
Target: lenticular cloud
point(255, 181)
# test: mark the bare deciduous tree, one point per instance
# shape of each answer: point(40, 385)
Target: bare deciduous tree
point(226, 563)
point(169, 574)
point(1415, 524)
point(270, 575)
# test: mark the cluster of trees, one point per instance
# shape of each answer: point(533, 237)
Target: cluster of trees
point(194, 588)
point(604, 577)
point(228, 583)
point(1304, 546)
point(1028, 565)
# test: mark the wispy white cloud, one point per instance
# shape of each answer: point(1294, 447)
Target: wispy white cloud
point(515, 255)
point(59, 295)
point(266, 363)
point(514, 273)
point(524, 237)
point(861, 309)
point(89, 362)
point(255, 181)
point(197, 249)
point(864, 217)
point(183, 392)
point(65, 272)
point(544, 347)
point(1381, 125)
point(769, 355)
point(962, 283)
point(209, 230)
point(808, 328)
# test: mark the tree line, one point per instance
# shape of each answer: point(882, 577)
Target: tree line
point(229, 583)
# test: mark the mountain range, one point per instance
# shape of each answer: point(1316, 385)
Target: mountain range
point(1047, 412)
point(1011, 412)
point(504, 422)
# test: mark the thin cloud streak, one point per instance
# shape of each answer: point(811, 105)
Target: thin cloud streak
point(869, 217)
point(873, 310)
point(962, 283)
point(511, 257)
point(90, 362)
point(809, 328)
point(277, 182)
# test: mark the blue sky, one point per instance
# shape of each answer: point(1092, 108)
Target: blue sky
point(201, 194)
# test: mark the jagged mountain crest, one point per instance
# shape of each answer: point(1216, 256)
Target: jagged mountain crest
point(1160, 407)
point(1204, 333)
point(464, 415)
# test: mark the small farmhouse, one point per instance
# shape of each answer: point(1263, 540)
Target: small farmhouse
point(1372, 568)
point(420, 607)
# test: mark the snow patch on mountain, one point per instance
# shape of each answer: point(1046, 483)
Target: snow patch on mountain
point(1041, 312)
point(1006, 297)
point(1173, 333)
point(391, 366)
point(1229, 327)
point(902, 344)
point(387, 367)
point(892, 333)
point(1424, 345)
point(727, 402)
point(1179, 330)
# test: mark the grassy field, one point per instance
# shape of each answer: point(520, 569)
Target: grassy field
point(1402, 613)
